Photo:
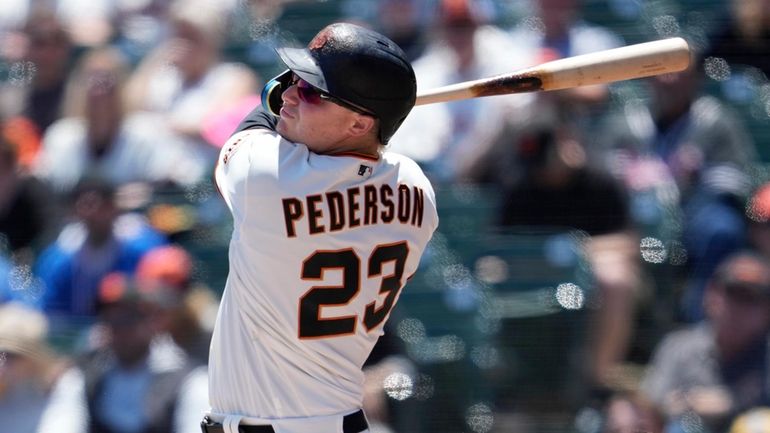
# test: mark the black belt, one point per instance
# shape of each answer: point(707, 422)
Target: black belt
point(353, 423)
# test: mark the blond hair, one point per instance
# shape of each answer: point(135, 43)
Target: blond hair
point(102, 59)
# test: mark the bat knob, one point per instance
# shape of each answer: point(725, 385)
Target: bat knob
point(272, 91)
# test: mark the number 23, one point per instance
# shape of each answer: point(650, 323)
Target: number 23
point(312, 325)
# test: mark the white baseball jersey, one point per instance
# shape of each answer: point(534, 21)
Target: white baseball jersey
point(321, 247)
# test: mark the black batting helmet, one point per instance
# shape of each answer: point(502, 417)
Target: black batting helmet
point(360, 66)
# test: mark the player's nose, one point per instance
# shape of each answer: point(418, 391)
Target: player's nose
point(290, 95)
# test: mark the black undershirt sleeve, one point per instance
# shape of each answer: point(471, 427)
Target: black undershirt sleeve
point(258, 119)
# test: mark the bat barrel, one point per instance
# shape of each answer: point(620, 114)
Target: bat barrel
point(624, 63)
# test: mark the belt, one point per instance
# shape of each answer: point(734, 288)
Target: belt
point(353, 423)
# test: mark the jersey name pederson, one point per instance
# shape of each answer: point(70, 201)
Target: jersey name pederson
point(358, 206)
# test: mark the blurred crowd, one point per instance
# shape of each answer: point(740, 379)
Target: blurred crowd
point(113, 240)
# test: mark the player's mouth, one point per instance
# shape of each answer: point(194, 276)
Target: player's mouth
point(287, 113)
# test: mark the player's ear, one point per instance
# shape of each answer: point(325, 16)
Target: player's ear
point(361, 125)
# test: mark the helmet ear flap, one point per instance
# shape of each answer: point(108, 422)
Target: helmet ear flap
point(271, 93)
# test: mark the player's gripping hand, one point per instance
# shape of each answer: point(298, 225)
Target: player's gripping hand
point(271, 93)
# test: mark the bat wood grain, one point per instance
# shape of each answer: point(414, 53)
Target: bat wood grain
point(601, 67)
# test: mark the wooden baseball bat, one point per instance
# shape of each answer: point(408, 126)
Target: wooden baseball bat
point(624, 63)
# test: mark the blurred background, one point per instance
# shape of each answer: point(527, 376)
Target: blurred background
point(601, 263)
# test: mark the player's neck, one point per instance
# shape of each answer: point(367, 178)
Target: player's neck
point(359, 145)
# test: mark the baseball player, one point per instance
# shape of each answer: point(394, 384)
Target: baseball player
point(328, 227)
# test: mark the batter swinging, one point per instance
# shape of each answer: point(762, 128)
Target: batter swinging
point(328, 227)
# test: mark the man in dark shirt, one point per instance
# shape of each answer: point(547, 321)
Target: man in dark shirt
point(26, 216)
point(715, 369)
point(557, 190)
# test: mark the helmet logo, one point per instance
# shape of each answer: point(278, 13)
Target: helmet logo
point(320, 40)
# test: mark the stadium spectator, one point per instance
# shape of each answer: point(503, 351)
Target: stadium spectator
point(404, 22)
point(464, 44)
point(189, 322)
point(133, 379)
point(557, 30)
point(708, 372)
point(36, 90)
point(186, 79)
point(101, 239)
point(97, 138)
point(554, 188)
point(704, 148)
point(551, 30)
point(40, 391)
point(557, 26)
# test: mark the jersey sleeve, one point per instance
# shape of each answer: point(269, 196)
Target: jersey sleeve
point(233, 167)
point(247, 169)
point(258, 118)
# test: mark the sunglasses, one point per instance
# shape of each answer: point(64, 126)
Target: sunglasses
point(745, 293)
point(313, 96)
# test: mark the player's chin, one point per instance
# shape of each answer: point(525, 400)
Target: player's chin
point(283, 127)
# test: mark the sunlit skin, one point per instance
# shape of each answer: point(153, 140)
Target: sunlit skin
point(326, 127)
point(631, 414)
point(103, 109)
point(192, 51)
point(753, 16)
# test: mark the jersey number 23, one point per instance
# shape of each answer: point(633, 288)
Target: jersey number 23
point(313, 325)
